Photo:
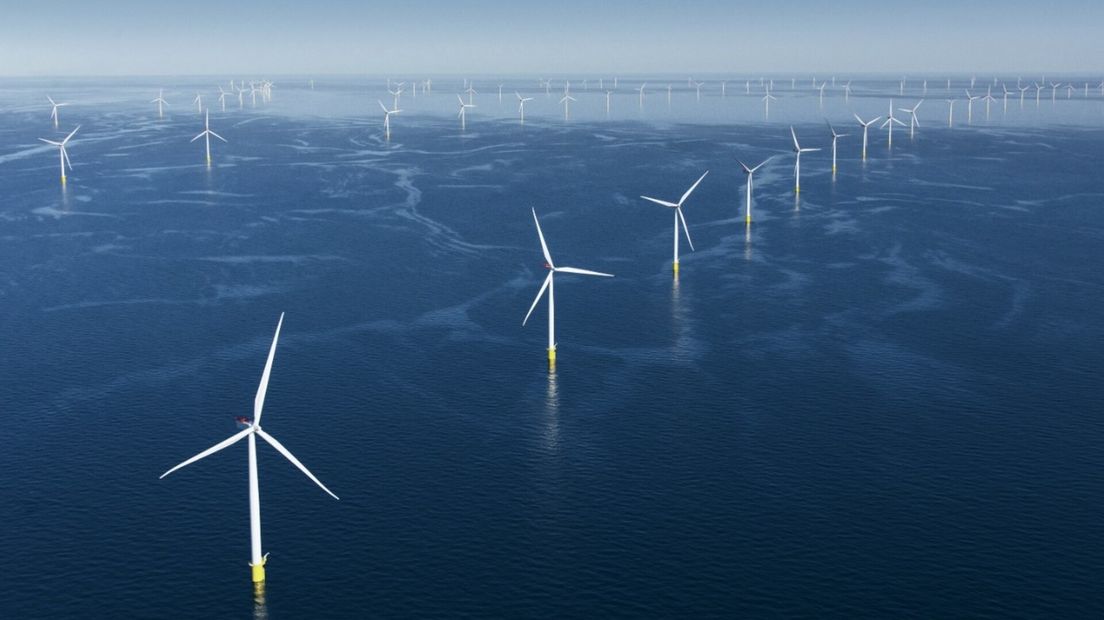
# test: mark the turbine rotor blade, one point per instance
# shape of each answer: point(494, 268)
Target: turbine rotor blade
point(584, 272)
point(294, 461)
point(537, 299)
point(685, 228)
point(657, 201)
point(692, 188)
point(233, 439)
point(262, 388)
point(544, 246)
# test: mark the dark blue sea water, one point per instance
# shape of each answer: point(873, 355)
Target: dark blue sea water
point(881, 400)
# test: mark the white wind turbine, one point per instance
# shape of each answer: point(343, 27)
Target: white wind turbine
point(797, 162)
point(751, 172)
point(198, 101)
point(679, 217)
point(835, 137)
point(63, 154)
point(1023, 90)
point(387, 118)
point(847, 91)
point(471, 93)
point(970, 107)
point(950, 113)
point(500, 93)
point(988, 98)
point(463, 112)
point(567, 99)
point(521, 105)
point(206, 134)
point(395, 96)
point(1006, 91)
point(251, 432)
point(222, 98)
point(822, 85)
point(698, 86)
point(766, 103)
point(889, 121)
point(913, 121)
point(866, 126)
point(549, 284)
point(641, 89)
point(608, 94)
point(160, 101)
point(54, 111)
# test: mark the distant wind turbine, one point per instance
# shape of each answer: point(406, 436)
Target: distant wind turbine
point(679, 217)
point(866, 126)
point(913, 121)
point(970, 107)
point(950, 113)
point(766, 104)
point(463, 112)
point(797, 162)
point(160, 101)
point(54, 111)
point(751, 172)
point(206, 134)
point(566, 101)
point(835, 137)
point(198, 101)
point(387, 118)
point(889, 121)
point(63, 154)
point(521, 105)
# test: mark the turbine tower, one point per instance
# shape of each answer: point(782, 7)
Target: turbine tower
point(679, 217)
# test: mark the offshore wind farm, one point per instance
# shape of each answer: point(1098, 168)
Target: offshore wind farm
point(851, 374)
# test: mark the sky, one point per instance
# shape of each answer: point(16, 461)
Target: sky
point(598, 37)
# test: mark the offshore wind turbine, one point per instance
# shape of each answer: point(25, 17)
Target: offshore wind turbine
point(608, 94)
point(1023, 90)
point(463, 115)
point(54, 111)
point(206, 134)
point(222, 97)
point(750, 172)
point(198, 101)
point(471, 94)
point(63, 154)
point(797, 162)
point(395, 96)
point(641, 89)
point(387, 118)
point(970, 107)
point(160, 101)
point(913, 121)
point(521, 105)
point(889, 121)
point(988, 98)
point(950, 113)
point(679, 217)
point(866, 126)
point(251, 432)
point(549, 285)
point(835, 137)
point(847, 91)
point(766, 103)
point(567, 99)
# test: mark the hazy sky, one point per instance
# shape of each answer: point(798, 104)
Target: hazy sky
point(66, 37)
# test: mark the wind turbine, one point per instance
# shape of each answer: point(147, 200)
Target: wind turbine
point(198, 101)
point(608, 94)
point(866, 126)
point(679, 217)
point(471, 93)
point(1054, 90)
point(63, 155)
point(567, 99)
point(463, 112)
point(251, 432)
point(1023, 90)
point(698, 86)
point(913, 121)
point(1006, 91)
point(988, 98)
point(822, 85)
point(160, 101)
point(521, 105)
point(970, 107)
point(549, 284)
point(395, 96)
point(750, 172)
point(766, 103)
point(797, 163)
point(641, 89)
point(206, 134)
point(222, 97)
point(387, 118)
point(54, 111)
point(835, 136)
point(500, 93)
point(889, 121)
point(950, 113)
point(847, 91)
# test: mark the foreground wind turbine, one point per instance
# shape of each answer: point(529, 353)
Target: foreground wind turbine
point(751, 172)
point(889, 121)
point(866, 126)
point(521, 105)
point(54, 111)
point(252, 431)
point(206, 134)
point(913, 121)
point(835, 136)
point(63, 155)
point(679, 217)
point(160, 101)
point(797, 162)
point(549, 284)
point(387, 118)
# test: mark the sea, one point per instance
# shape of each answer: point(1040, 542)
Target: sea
point(879, 399)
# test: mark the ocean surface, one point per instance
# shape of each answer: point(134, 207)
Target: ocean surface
point(879, 400)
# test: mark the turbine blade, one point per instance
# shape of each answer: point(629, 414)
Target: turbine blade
point(657, 201)
point(797, 147)
point(544, 246)
point(685, 228)
point(201, 134)
point(71, 134)
point(584, 272)
point(258, 401)
point(233, 439)
point(294, 461)
point(65, 154)
point(692, 188)
point(540, 294)
point(382, 107)
point(50, 142)
point(217, 136)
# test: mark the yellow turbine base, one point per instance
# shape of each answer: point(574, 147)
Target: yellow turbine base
point(259, 571)
point(208, 161)
point(797, 190)
point(63, 179)
point(833, 169)
point(676, 268)
point(552, 356)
